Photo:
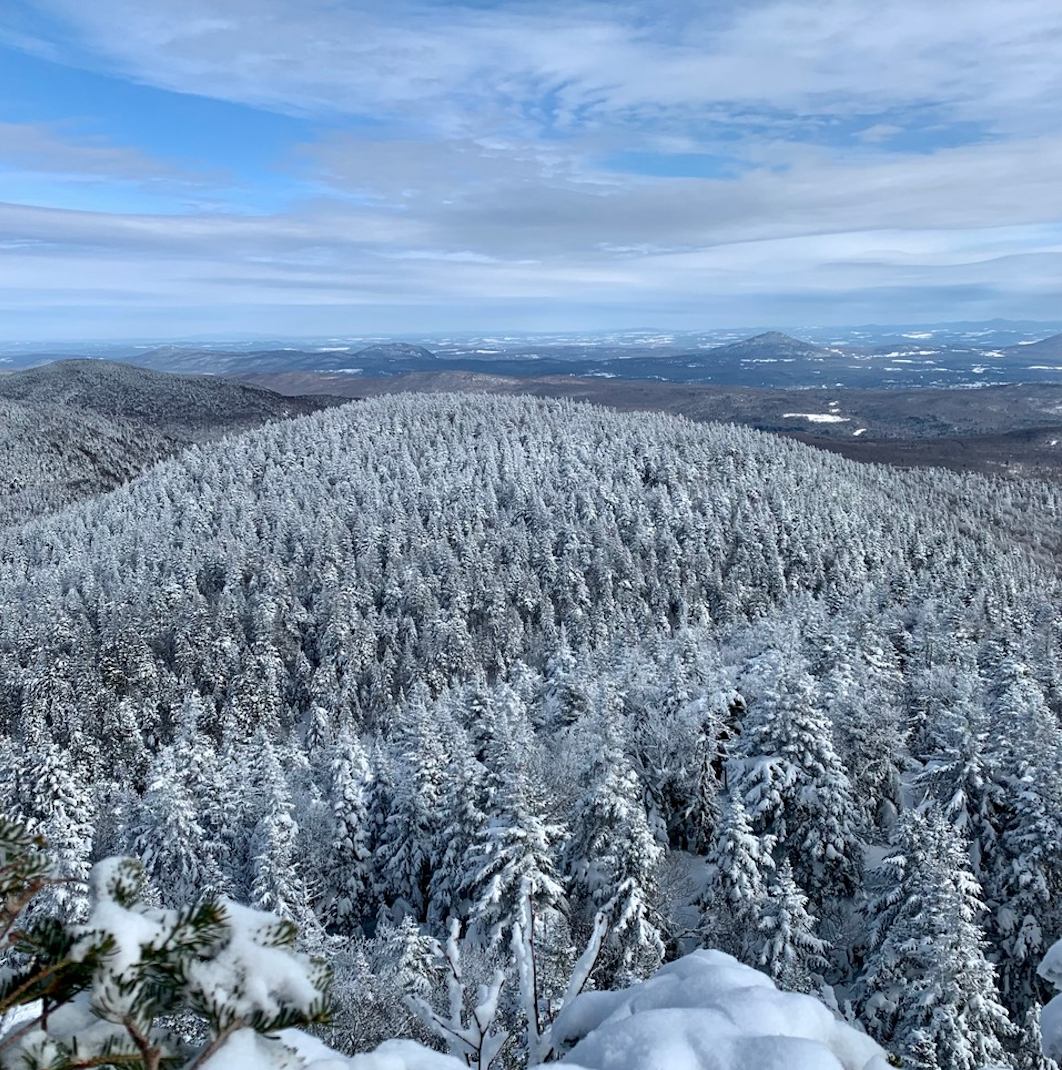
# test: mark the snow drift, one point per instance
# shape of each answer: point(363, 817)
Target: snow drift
point(706, 1011)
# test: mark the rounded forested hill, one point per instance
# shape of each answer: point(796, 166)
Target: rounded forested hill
point(341, 559)
point(75, 428)
point(188, 407)
point(52, 454)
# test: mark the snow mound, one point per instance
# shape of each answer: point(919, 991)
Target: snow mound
point(1051, 966)
point(246, 1050)
point(707, 1011)
point(1051, 1016)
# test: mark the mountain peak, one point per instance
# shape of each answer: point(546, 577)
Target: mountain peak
point(773, 338)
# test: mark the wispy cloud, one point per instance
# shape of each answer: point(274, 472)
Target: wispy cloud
point(567, 65)
point(49, 149)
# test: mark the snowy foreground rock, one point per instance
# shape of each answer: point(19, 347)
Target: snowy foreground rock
point(704, 1012)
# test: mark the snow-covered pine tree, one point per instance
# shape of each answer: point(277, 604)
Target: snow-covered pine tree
point(170, 840)
point(863, 691)
point(612, 857)
point(734, 900)
point(277, 885)
point(58, 806)
point(460, 827)
point(406, 852)
point(515, 849)
point(1029, 1051)
point(963, 770)
point(345, 884)
point(790, 951)
point(107, 993)
point(1026, 870)
point(795, 787)
point(929, 991)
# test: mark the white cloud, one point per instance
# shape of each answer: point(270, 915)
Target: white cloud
point(57, 149)
point(466, 67)
point(537, 201)
point(485, 175)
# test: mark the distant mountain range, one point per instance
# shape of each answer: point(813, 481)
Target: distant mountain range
point(75, 427)
point(913, 359)
point(398, 357)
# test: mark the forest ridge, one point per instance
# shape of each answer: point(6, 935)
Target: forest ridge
point(396, 662)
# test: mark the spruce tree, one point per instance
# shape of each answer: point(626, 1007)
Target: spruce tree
point(739, 867)
point(795, 787)
point(929, 991)
point(515, 849)
point(790, 951)
point(612, 856)
point(346, 881)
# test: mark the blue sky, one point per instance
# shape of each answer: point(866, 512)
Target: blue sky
point(273, 167)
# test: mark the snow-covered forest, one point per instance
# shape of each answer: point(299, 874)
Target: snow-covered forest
point(412, 660)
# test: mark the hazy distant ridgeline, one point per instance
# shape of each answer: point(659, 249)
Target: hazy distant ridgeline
point(770, 360)
point(874, 358)
point(75, 428)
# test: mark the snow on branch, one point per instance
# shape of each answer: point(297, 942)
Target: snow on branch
point(470, 1027)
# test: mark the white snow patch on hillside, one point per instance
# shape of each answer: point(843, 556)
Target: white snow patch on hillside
point(893, 354)
point(817, 417)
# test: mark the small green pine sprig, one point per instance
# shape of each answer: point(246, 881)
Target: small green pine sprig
point(99, 993)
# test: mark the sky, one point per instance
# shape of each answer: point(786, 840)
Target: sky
point(241, 168)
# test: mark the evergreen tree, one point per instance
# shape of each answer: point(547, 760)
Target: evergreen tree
point(58, 806)
point(1026, 871)
point(964, 775)
point(612, 856)
point(734, 901)
point(1029, 1052)
point(171, 841)
point(109, 992)
point(790, 951)
point(461, 824)
point(514, 853)
point(794, 785)
point(277, 886)
point(346, 881)
point(409, 840)
point(930, 991)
